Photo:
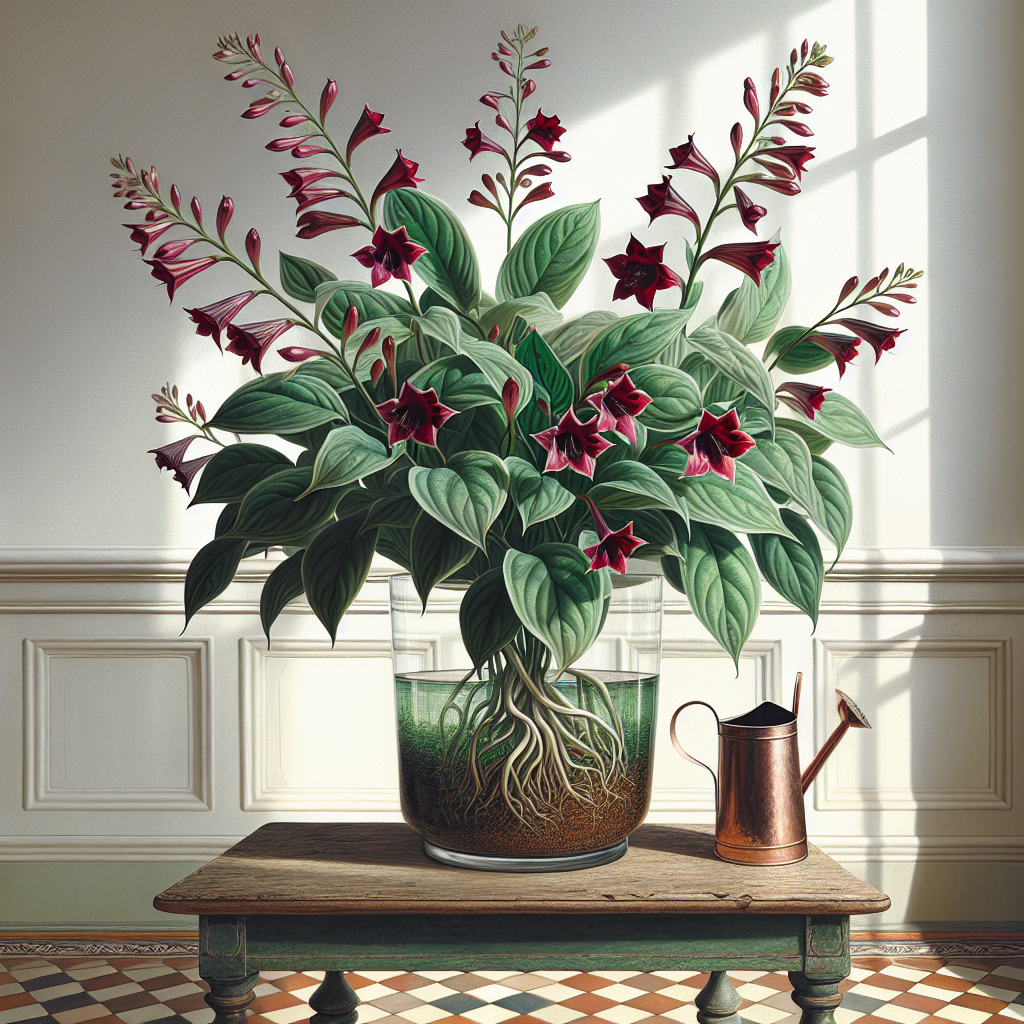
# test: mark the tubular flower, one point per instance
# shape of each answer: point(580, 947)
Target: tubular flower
point(476, 142)
point(689, 158)
point(750, 257)
point(794, 157)
point(613, 548)
point(316, 222)
point(147, 234)
point(805, 398)
point(390, 254)
point(572, 443)
point(640, 272)
point(750, 212)
point(301, 177)
point(785, 186)
point(174, 273)
point(313, 196)
point(212, 319)
point(880, 338)
point(715, 445)
point(251, 341)
point(366, 127)
point(808, 81)
point(617, 406)
point(401, 174)
point(663, 199)
point(544, 130)
point(170, 457)
point(842, 347)
point(414, 414)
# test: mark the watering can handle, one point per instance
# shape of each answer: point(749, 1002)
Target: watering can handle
point(679, 746)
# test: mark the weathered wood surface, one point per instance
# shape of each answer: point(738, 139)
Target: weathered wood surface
point(314, 868)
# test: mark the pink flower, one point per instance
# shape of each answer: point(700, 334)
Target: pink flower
point(366, 127)
point(476, 142)
point(664, 199)
point(401, 174)
point(544, 130)
point(146, 234)
point(317, 222)
point(414, 414)
point(784, 186)
point(617, 406)
point(301, 177)
point(214, 318)
point(572, 443)
point(794, 157)
point(174, 273)
point(750, 212)
point(805, 398)
point(327, 98)
point(842, 347)
point(170, 457)
point(715, 445)
point(689, 158)
point(879, 337)
point(390, 254)
point(613, 548)
point(251, 341)
point(640, 272)
point(750, 257)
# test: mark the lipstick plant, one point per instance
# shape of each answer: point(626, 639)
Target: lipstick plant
point(478, 436)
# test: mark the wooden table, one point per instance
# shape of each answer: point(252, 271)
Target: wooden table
point(350, 897)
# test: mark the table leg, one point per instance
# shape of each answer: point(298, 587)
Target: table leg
point(335, 1001)
point(717, 1002)
point(229, 997)
point(819, 998)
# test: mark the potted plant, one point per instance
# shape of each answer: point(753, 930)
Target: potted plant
point(511, 460)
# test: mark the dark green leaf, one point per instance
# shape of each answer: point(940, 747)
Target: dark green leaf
point(700, 368)
point(817, 443)
point(436, 553)
point(489, 622)
point(395, 544)
point(283, 585)
point(348, 454)
point(633, 340)
point(536, 311)
point(736, 361)
point(274, 405)
point(838, 503)
point(212, 569)
point(300, 277)
point(674, 569)
point(742, 506)
point(235, 469)
point(270, 511)
point(803, 357)
point(497, 366)
point(675, 398)
point(633, 485)
point(793, 567)
point(535, 354)
point(537, 496)
point(397, 510)
point(571, 339)
point(457, 382)
point(334, 298)
point(785, 463)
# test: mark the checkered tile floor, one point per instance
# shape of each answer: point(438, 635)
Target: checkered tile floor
point(137, 990)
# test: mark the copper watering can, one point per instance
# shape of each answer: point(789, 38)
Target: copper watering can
point(759, 789)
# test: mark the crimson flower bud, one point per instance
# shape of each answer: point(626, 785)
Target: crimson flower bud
point(479, 199)
point(351, 323)
point(492, 334)
point(510, 398)
point(286, 74)
point(200, 411)
point(234, 76)
point(489, 184)
point(803, 50)
point(793, 58)
point(387, 350)
point(224, 212)
point(376, 370)
point(301, 152)
point(750, 99)
point(797, 128)
point(490, 99)
point(279, 55)
point(502, 122)
point(503, 49)
point(296, 354)
point(252, 248)
point(283, 145)
point(368, 342)
point(775, 88)
point(847, 289)
point(528, 87)
point(292, 120)
point(327, 98)
point(507, 68)
point(538, 64)
point(736, 138)
point(495, 56)
point(176, 198)
point(197, 211)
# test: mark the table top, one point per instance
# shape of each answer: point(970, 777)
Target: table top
point(316, 868)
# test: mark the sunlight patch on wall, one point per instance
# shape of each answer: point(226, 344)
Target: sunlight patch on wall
point(900, 66)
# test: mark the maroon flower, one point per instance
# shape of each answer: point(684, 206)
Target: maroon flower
point(476, 142)
point(805, 398)
point(617, 406)
point(327, 98)
point(689, 158)
point(613, 548)
point(414, 414)
point(662, 199)
point(715, 445)
point(172, 250)
point(808, 81)
point(214, 318)
point(640, 272)
point(146, 234)
point(297, 354)
point(316, 222)
point(750, 212)
point(572, 443)
point(750, 100)
point(366, 127)
point(225, 210)
point(390, 255)
point(544, 130)
point(750, 257)
point(783, 185)
point(879, 337)
point(401, 174)
point(510, 398)
point(170, 457)
point(260, 107)
point(174, 273)
point(796, 127)
point(795, 157)
point(301, 177)
point(313, 196)
point(842, 347)
point(251, 341)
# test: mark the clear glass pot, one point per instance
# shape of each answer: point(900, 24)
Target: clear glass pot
point(503, 771)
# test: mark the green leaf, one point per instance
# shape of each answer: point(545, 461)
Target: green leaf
point(722, 390)
point(661, 530)
point(396, 510)
point(300, 277)
point(535, 495)
point(488, 621)
point(481, 428)
point(793, 567)
point(676, 352)
point(722, 586)
point(436, 553)
point(457, 383)
point(212, 569)
point(839, 419)
point(736, 361)
point(674, 569)
point(271, 511)
point(633, 485)
point(838, 503)
point(283, 585)
point(395, 544)
point(333, 299)
point(751, 311)
point(743, 506)
point(571, 339)
point(275, 405)
point(497, 366)
point(443, 324)
point(466, 495)
point(699, 368)
point(675, 398)
point(535, 354)
point(804, 357)
point(348, 454)
point(449, 265)
point(556, 598)
point(335, 567)
point(785, 463)
point(817, 443)
point(552, 255)
point(536, 310)
point(633, 340)
point(235, 469)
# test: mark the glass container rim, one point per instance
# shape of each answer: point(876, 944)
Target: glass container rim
point(619, 581)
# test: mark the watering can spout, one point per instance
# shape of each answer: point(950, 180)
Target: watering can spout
point(850, 717)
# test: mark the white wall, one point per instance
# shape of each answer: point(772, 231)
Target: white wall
point(918, 157)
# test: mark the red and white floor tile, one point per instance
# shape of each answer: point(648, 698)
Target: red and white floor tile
point(168, 990)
